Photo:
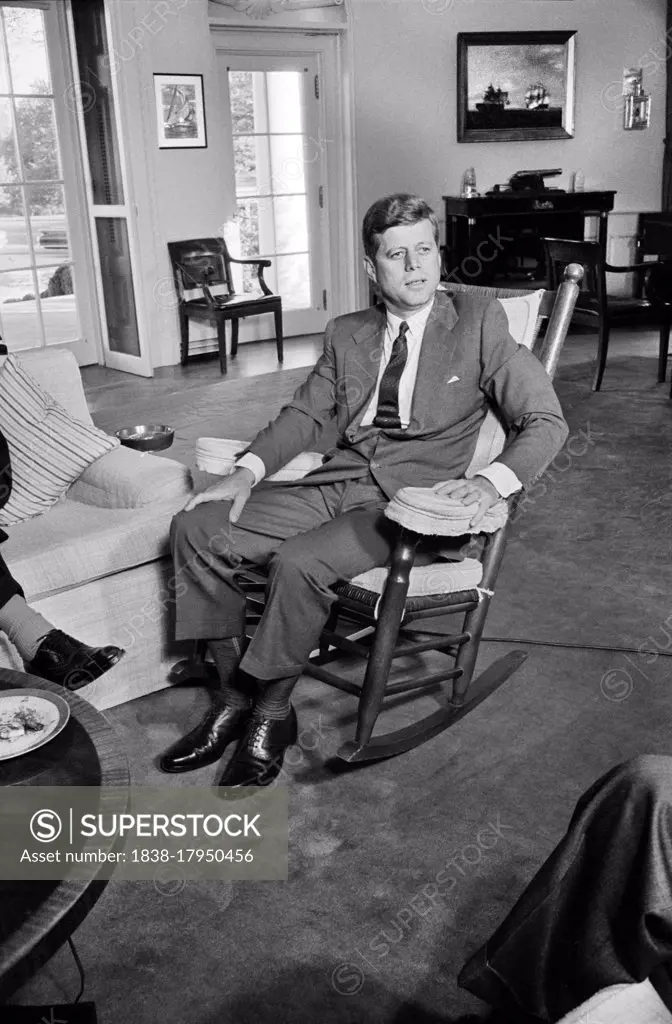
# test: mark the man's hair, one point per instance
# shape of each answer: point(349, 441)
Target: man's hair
point(390, 212)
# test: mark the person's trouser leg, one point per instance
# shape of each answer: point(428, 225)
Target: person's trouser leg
point(319, 535)
point(314, 536)
point(25, 627)
point(8, 585)
point(303, 571)
point(45, 650)
point(209, 552)
point(599, 911)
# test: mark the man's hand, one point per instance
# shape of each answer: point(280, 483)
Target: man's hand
point(235, 488)
point(468, 491)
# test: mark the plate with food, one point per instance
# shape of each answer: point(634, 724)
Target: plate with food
point(29, 719)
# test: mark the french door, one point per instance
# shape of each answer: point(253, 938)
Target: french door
point(47, 287)
point(278, 140)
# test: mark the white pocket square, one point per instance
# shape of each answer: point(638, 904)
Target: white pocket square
point(451, 380)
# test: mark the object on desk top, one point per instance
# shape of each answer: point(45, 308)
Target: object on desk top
point(522, 180)
point(469, 188)
point(578, 182)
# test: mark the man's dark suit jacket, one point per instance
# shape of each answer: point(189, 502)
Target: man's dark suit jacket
point(5, 471)
point(467, 361)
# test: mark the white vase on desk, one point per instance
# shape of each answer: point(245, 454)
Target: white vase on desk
point(578, 182)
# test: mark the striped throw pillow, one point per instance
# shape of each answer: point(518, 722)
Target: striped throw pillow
point(48, 447)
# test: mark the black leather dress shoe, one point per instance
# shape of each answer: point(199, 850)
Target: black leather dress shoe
point(62, 659)
point(258, 759)
point(207, 742)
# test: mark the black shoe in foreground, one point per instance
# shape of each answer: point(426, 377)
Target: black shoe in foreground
point(62, 659)
point(258, 759)
point(207, 742)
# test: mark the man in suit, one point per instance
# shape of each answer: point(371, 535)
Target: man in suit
point(46, 651)
point(406, 385)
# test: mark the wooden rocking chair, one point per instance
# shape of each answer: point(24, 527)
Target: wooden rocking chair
point(387, 615)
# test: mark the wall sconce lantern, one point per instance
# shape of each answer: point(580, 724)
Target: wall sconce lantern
point(637, 105)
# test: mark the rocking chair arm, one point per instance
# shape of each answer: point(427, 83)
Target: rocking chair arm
point(403, 554)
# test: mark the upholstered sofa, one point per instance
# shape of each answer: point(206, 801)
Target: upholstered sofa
point(96, 563)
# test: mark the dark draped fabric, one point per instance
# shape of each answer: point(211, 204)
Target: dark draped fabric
point(5, 471)
point(599, 910)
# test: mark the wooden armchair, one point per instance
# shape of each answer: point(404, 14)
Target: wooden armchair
point(371, 622)
point(595, 307)
point(201, 264)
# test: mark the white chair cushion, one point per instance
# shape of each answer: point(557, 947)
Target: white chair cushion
point(425, 580)
point(423, 510)
point(522, 313)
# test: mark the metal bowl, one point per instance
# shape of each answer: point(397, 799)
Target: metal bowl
point(147, 437)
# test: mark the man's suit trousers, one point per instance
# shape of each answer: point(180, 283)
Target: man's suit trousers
point(309, 536)
point(599, 911)
point(8, 585)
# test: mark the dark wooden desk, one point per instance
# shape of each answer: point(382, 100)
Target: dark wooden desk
point(37, 917)
point(501, 235)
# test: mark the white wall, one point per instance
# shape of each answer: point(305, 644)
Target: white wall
point(405, 54)
point(405, 79)
point(404, 73)
point(180, 193)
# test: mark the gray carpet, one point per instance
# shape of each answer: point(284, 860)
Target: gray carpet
point(359, 933)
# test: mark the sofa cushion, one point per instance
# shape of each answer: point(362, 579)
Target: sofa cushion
point(48, 447)
point(125, 478)
point(74, 543)
point(56, 370)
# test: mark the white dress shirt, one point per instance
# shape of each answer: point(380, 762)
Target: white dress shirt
point(500, 476)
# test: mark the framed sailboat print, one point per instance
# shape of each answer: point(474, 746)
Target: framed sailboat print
point(180, 111)
point(514, 86)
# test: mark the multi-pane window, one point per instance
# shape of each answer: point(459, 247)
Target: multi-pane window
point(270, 143)
point(37, 301)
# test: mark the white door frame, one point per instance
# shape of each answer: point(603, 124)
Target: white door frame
point(86, 345)
point(123, 87)
point(310, 319)
point(88, 349)
point(337, 100)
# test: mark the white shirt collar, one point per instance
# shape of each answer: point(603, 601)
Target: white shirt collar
point(416, 322)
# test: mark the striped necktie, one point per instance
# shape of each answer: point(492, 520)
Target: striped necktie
point(387, 414)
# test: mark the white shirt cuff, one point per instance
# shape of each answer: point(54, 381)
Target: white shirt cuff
point(255, 465)
point(502, 478)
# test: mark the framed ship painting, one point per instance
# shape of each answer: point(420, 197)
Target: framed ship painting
point(513, 86)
